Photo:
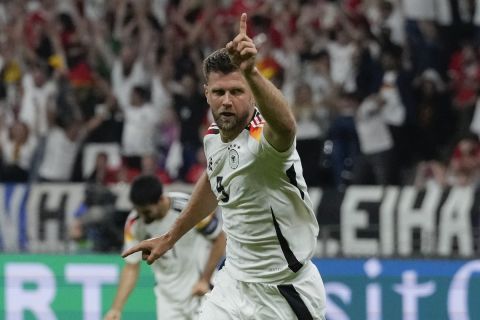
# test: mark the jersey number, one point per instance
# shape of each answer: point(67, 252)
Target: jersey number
point(220, 189)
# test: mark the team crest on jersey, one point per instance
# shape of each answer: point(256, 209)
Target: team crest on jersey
point(233, 157)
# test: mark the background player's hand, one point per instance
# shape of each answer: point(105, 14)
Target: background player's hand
point(241, 49)
point(201, 288)
point(151, 249)
point(113, 314)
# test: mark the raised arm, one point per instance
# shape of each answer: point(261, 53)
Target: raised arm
point(201, 204)
point(280, 129)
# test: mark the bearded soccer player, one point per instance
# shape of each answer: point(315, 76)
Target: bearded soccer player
point(254, 174)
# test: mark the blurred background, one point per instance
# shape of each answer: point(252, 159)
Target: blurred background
point(385, 92)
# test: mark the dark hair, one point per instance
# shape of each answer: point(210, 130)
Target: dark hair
point(145, 190)
point(41, 66)
point(142, 92)
point(218, 61)
point(66, 21)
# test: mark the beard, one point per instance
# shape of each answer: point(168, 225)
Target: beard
point(230, 123)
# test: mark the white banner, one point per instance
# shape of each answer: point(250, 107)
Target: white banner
point(363, 221)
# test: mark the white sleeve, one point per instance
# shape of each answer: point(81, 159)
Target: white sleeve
point(393, 111)
point(266, 147)
point(131, 237)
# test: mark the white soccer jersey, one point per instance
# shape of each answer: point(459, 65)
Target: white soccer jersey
point(267, 213)
point(180, 268)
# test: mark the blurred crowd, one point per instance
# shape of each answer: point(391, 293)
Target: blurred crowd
point(384, 91)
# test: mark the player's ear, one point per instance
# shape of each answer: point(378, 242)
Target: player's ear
point(161, 199)
point(205, 88)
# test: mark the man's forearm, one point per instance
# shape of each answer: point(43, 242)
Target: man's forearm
point(271, 102)
point(128, 279)
point(217, 251)
point(202, 203)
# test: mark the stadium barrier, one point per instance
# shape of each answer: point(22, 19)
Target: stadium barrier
point(83, 286)
point(362, 221)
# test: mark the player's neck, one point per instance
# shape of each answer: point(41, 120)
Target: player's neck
point(229, 135)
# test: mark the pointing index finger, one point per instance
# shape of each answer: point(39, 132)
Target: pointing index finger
point(131, 250)
point(243, 24)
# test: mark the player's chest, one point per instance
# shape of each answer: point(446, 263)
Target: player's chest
point(226, 159)
point(228, 165)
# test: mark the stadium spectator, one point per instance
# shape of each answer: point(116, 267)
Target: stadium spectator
point(191, 110)
point(434, 127)
point(341, 52)
point(128, 71)
point(97, 224)
point(430, 173)
point(386, 19)
point(375, 119)
point(376, 163)
point(162, 84)
point(464, 166)
point(318, 75)
point(17, 147)
point(54, 48)
point(37, 107)
point(464, 72)
point(312, 125)
point(149, 166)
point(140, 122)
point(341, 146)
point(102, 173)
point(61, 148)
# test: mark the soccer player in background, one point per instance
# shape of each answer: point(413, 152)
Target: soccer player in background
point(254, 174)
point(183, 274)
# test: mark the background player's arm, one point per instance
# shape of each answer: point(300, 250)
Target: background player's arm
point(216, 253)
point(201, 204)
point(128, 279)
point(281, 127)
